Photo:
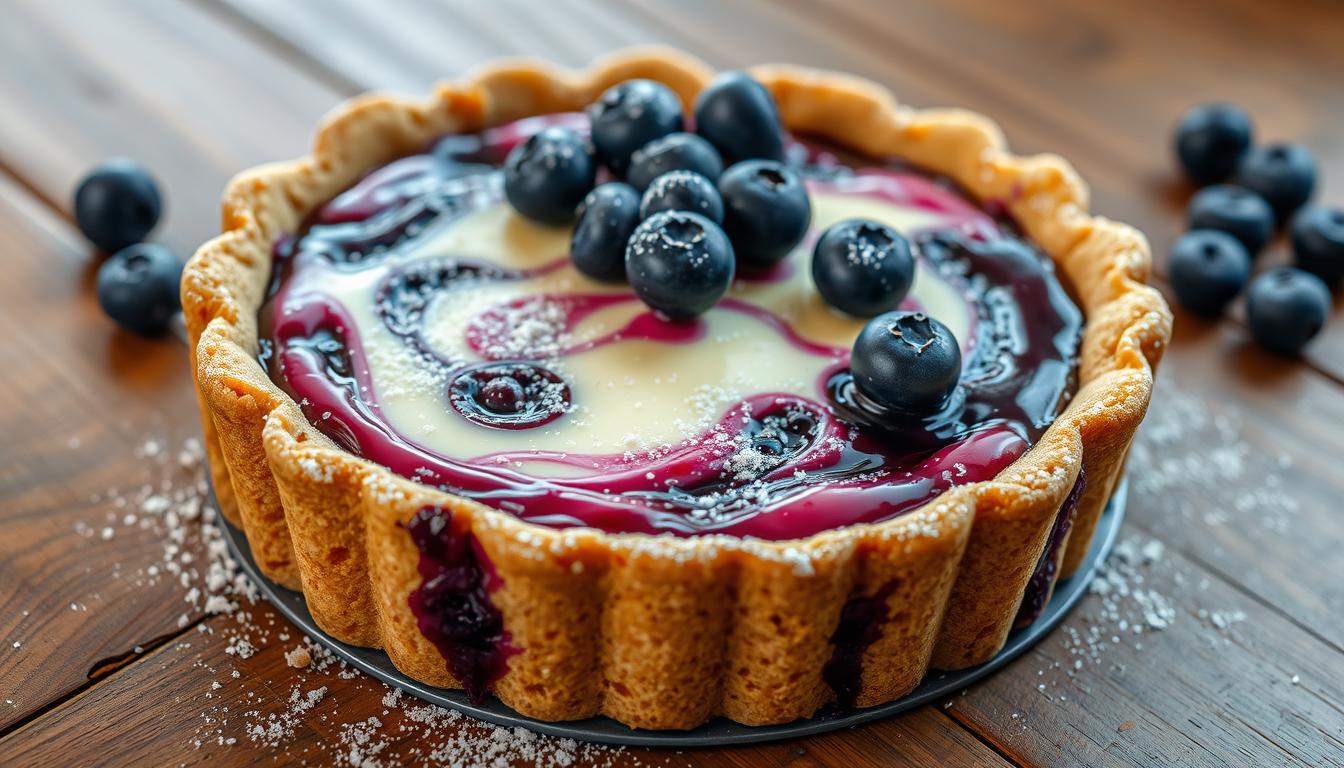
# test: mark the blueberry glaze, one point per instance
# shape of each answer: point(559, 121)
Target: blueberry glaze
point(850, 463)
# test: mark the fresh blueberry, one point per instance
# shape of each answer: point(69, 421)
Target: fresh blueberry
point(1318, 242)
point(766, 211)
point(679, 263)
point(1286, 307)
point(739, 117)
point(630, 115)
point(607, 217)
point(862, 267)
point(548, 175)
point(1283, 174)
point(1235, 210)
point(116, 205)
point(138, 287)
point(1208, 269)
point(682, 191)
point(673, 152)
point(1211, 140)
point(906, 361)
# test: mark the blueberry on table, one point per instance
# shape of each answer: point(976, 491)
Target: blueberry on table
point(862, 267)
point(138, 287)
point(1211, 140)
point(679, 263)
point(739, 117)
point(1235, 210)
point(1283, 174)
point(628, 116)
point(1318, 242)
point(1286, 308)
point(607, 217)
point(682, 191)
point(673, 152)
point(907, 362)
point(1208, 269)
point(766, 211)
point(548, 175)
point(117, 204)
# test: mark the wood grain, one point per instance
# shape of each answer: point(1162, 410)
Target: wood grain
point(1266, 421)
point(91, 395)
point(162, 83)
point(1257, 691)
point(82, 399)
point(185, 672)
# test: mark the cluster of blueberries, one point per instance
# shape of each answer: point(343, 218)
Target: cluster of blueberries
point(116, 206)
point(1248, 193)
point(685, 211)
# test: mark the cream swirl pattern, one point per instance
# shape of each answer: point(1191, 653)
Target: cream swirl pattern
point(424, 325)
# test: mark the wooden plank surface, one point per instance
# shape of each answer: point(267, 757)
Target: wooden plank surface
point(257, 711)
point(88, 398)
point(1233, 546)
point(164, 83)
point(81, 400)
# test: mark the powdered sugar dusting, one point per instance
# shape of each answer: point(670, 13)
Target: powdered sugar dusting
point(304, 705)
point(1163, 461)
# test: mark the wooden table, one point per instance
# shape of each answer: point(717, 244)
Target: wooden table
point(1234, 546)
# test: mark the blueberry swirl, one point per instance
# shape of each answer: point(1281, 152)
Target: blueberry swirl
point(423, 325)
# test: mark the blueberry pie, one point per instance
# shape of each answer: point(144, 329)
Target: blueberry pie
point(664, 395)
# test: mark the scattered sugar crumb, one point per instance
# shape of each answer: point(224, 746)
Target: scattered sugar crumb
point(298, 658)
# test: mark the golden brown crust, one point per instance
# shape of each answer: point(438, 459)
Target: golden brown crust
point(654, 631)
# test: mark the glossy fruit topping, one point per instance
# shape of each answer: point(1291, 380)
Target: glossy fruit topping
point(404, 294)
point(1283, 174)
point(1211, 140)
point(1235, 210)
point(679, 263)
point(1286, 308)
point(509, 395)
point(116, 205)
point(607, 218)
point(747, 452)
point(682, 191)
point(862, 267)
point(673, 152)
point(549, 174)
point(739, 117)
point(907, 362)
point(1208, 269)
point(628, 116)
point(138, 287)
point(1318, 242)
point(766, 211)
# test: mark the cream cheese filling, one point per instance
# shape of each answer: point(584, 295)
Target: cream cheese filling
point(629, 396)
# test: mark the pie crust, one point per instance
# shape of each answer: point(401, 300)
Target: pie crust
point(663, 632)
